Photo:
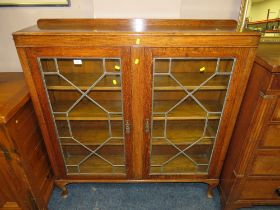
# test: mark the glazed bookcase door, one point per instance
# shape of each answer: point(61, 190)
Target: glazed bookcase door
point(90, 110)
point(188, 98)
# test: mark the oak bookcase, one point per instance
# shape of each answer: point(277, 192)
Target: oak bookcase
point(135, 100)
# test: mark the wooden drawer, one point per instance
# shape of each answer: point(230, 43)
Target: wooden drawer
point(271, 136)
point(266, 163)
point(261, 189)
point(276, 113)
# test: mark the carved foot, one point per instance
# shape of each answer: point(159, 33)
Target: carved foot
point(62, 186)
point(210, 190)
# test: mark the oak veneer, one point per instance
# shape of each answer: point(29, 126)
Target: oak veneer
point(26, 179)
point(139, 44)
point(251, 173)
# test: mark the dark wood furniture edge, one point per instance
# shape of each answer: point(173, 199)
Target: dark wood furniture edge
point(42, 122)
point(267, 63)
point(13, 105)
point(221, 155)
point(45, 23)
point(264, 107)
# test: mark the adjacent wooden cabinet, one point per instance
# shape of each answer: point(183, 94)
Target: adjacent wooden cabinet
point(251, 173)
point(136, 100)
point(26, 179)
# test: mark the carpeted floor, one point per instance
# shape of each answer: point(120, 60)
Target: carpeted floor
point(164, 196)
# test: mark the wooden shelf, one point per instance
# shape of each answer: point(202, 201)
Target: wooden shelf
point(182, 142)
point(92, 142)
point(83, 81)
point(87, 110)
point(91, 133)
point(95, 164)
point(186, 111)
point(264, 21)
point(161, 83)
point(178, 165)
point(193, 80)
point(184, 132)
point(200, 153)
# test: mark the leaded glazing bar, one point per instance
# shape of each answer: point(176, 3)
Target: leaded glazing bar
point(188, 95)
point(85, 96)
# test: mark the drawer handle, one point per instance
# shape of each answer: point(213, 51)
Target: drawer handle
point(278, 191)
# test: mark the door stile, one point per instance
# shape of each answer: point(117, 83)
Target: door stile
point(127, 109)
point(147, 121)
point(140, 95)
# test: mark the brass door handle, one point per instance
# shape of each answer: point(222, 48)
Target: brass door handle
point(127, 127)
point(147, 126)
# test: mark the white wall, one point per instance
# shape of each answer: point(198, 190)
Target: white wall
point(191, 9)
point(137, 8)
point(259, 10)
point(15, 18)
point(210, 9)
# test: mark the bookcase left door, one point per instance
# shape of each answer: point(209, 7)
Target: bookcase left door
point(85, 97)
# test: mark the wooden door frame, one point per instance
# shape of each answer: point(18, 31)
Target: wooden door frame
point(40, 100)
point(235, 95)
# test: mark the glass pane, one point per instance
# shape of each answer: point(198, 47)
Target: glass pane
point(72, 169)
point(201, 151)
point(87, 109)
point(211, 100)
point(212, 127)
point(158, 128)
point(48, 65)
point(81, 72)
point(111, 101)
point(158, 156)
point(108, 82)
point(162, 66)
point(63, 100)
point(179, 164)
point(216, 82)
point(86, 98)
point(55, 82)
point(90, 132)
point(75, 153)
point(63, 128)
point(184, 131)
point(226, 65)
point(188, 99)
point(193, 72)
point(96, 164)
point(188, 109)
point(112, 65)
point(113, 153)
point(164, 101)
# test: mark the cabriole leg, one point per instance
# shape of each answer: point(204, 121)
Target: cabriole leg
point(210, 190)
point(62, 186)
